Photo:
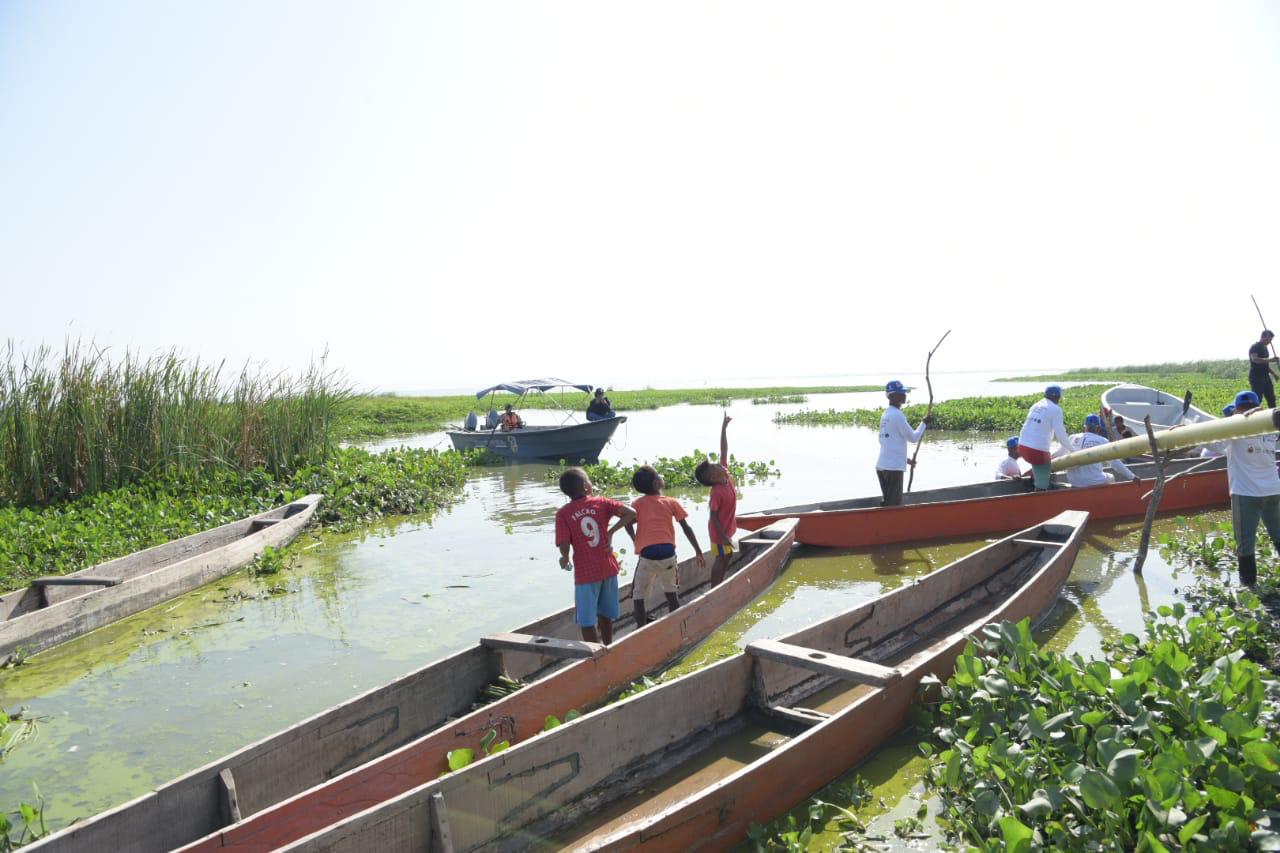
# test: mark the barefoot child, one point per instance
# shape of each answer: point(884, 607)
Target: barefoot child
point(724, 504)
point(655, 541)
point(584, 523)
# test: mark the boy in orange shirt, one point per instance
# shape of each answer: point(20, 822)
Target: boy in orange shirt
point(655, 542)
point(724, 504)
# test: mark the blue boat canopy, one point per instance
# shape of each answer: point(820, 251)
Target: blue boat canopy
point(524, 386)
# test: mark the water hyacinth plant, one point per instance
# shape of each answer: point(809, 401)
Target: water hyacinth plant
point(678, 472)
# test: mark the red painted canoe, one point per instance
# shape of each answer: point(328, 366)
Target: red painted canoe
point(690, 764)
point(994, 507)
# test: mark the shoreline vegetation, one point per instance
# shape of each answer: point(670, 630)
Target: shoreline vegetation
point(387, 415)
point(1213, 384)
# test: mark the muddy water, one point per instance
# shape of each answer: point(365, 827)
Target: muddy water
point(134, 705)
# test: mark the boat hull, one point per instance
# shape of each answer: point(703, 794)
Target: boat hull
point(148, 578)
point(1133, 402)
point(573, 443)
point(978, 516)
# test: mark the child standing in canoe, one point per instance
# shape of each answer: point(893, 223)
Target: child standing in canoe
point(724, 504)
point(655, 542)
point(583, 524)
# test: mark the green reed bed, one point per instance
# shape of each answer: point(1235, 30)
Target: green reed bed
point(86, 422)
point(376, 416)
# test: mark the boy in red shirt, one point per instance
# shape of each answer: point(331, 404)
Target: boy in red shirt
point(655, 541)
point(724, 504)
point(584, 523)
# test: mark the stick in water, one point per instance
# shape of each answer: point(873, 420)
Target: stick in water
point(912, 477)
point(1152, 508)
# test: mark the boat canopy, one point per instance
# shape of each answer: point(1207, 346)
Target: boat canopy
point(524, 386)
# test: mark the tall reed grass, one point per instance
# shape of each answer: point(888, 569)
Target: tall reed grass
point(85, 422)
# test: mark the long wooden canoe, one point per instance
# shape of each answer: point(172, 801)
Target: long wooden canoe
point(690, 764)
point(53, 610)
point(992, 507)
point(389, 739)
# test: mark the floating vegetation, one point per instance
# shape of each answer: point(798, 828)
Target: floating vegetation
point(778, 399)
point(272, 561)
point(678, 472)
point(794, 832)
point(1169, 743)
point(26, 824)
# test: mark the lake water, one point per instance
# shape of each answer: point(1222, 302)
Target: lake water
point(140, 702)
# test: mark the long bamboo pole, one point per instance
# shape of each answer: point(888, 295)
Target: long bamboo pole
point(1256, 422)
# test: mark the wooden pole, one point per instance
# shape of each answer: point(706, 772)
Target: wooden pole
point(911, 478)
point(1152, 508)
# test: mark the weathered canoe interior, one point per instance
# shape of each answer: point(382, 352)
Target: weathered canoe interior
point(995, 488)
point(21, 601)
point(368, 726)
point(621, 766)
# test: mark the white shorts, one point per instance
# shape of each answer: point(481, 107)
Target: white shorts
point(654, 578)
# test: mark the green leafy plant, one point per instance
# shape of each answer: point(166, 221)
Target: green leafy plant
point(28, 825)
point(1169, 743)
point(678, 472)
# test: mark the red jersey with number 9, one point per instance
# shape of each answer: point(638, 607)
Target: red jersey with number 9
point(584, 524)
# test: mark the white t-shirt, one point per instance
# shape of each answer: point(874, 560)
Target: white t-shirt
point(895, 435)
point(1093, 475)
point(1251, 465)
point(1008, 467)
point(1044, 423)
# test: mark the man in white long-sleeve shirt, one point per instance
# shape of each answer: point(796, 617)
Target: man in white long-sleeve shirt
point(1043, 424)
point(1254, 484)
point(1092, 475)
point(895, 434)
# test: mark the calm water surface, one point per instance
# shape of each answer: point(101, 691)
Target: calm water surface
point(136, 704)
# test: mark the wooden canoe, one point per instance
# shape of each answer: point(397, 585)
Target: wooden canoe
point(993, 507)
point(1134, 402)
point(689, 765)
point(386, 741)
point(56, 609)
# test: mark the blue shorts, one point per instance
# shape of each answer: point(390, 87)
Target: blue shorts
point(593, 601)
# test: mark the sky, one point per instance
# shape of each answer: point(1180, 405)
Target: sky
point(441, 195)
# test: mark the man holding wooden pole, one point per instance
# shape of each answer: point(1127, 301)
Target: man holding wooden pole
point(1255, 489)
point(1260, 370)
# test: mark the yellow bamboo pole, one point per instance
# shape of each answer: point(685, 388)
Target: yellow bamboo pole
point(1256, 422)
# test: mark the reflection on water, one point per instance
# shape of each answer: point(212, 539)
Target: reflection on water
point(135, 704)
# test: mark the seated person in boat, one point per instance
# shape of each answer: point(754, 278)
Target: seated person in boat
point(1092, 475)
point(1008, 468)
point(724, 504)
point(1122, 431)
point(583, 525)
point(600, 409)
point(654, 537)
point(1209, 451)
point(510, 420)
point(491, 420)
point(895, 434)
point(471, 422)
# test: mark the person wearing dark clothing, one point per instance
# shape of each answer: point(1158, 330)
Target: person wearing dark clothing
point(600, 409)
point(1260, 370)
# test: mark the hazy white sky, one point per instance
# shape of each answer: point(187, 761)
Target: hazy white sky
point(453, 194)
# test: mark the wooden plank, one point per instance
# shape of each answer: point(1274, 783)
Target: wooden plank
point(549, 646)
point(230, 802)
point(1039, 542)
point(80, 580)
point(441, 838)
point(850, 669)
point(802, 716)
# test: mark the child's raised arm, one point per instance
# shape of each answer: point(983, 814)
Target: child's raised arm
point(724, 441)
point(693, 540)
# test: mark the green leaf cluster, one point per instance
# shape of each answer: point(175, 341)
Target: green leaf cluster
point(677, 472)
point(1167, 744)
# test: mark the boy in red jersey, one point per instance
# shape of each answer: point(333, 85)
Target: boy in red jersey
point(655, 541)
point(724, 504)
point(584, 523)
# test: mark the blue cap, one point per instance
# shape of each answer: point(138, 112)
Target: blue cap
point(1012, 442)
point(1228, 410)
point(895, 387)
point(1246, 398)
point(1053, 391)
point(1092, 421)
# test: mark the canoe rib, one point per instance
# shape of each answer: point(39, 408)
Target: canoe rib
point(850, 669)
point(131, 584)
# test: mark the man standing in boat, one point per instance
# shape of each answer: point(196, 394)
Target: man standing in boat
point(1043, 424)
point(1260, 369)
point(895, 434)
